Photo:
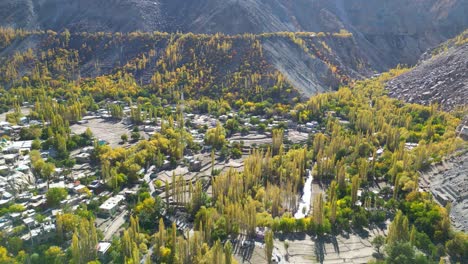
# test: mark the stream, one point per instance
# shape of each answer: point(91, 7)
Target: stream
point(305, 199)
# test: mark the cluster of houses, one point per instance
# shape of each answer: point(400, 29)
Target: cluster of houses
point(15, 173)
point(7, 129)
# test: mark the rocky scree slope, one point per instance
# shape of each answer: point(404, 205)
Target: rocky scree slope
point(447, 181)
point(440, 77)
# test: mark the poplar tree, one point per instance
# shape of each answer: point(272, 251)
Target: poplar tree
point(399, 229)
point(269, 245)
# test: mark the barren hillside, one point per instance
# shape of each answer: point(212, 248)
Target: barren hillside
point(441, 76)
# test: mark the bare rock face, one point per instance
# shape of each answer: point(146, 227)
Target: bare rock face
point(448, 183)
point(83, 15)
point(390, 32)
point(439, 78)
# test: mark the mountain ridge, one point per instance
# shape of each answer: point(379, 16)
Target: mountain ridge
point(395, 32)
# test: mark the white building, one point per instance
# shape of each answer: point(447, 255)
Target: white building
point(109, 207)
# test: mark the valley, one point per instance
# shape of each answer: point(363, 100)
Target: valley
point(233, 131)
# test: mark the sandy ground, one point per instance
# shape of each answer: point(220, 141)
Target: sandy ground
point(103, 129)
point(350, 248)
point(296, 136)
point(24, 110)
point(251, 139)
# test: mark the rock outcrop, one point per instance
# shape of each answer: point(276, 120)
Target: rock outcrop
point(440, 77)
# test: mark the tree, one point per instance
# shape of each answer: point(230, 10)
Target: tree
point(403, 253)
point(355, 182)
point(4, 256)
point(55, 195)
point(54, 255)
point(277, 138)
point(124, 138)
point(378, 242)
point(216, 137)
point(269, 245)
point(47, 171)
point(399, 229)
point(15, 244)
point(228, 252)
point(148, 210)
point(36, 144)
point(135, 136)
point(84, 243)
point(457, 247)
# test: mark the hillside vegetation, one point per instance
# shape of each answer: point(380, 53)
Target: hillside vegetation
point(390, 32)
point(241, 66)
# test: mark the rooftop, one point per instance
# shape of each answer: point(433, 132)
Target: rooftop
point(112, 202)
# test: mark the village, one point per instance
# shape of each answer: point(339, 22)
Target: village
point(27, 213)
point(23, 197)
point(34, 221)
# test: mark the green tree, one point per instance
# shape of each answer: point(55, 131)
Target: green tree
point(135, 136)
point(84, 243)
point(36, 144)
point(457, 247)
point(47, 171)
point(403, 253)
point(269, 245)
point(54, 255)
point(399, 229)
point(378, 242)
point(148, 210)
point(124, 138)
point(55, 195)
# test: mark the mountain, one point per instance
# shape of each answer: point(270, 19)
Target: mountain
point(389, 32)
point(289, 63)
point(441, 76)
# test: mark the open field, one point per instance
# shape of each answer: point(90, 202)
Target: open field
point(103, 129)
point(346, 248)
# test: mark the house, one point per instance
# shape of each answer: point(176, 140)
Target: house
point(166, 165)
point(80, 189)
point(11, 158)
point(4, 124)
point(83, 158)
point(41, 234)
point(102, 249)
point(380, 151)
point(24, 120)
point(29, 222)
point(195, 165)
point(110, 206)
point(88, 150)
point(149, 129)
point(19, 146)
point(95, 185)
point(410, 146)
point(311, 124)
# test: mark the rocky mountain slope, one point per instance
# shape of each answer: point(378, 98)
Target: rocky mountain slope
point(447, 181)
point(441, 76)
point(390, 32)
point(208, 64)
